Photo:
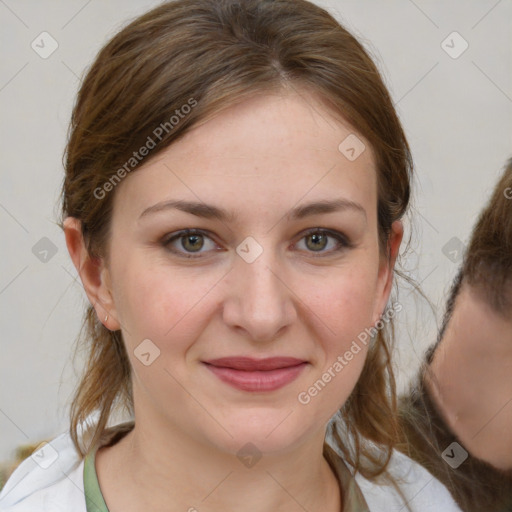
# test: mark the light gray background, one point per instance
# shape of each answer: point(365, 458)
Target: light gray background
point(457, 114)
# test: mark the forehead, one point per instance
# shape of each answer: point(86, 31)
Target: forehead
point(270, 151)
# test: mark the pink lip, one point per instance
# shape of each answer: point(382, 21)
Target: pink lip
point(256, 374)
point(250, 364)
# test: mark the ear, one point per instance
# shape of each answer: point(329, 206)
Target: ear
point(93, 273)
point(386, 266)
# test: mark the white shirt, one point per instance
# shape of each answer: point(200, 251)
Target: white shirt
point(51, 480)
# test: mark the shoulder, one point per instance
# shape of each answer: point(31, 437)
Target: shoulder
point(421, 491)
point(51, 479)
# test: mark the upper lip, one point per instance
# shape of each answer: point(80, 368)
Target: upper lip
point(250, 364)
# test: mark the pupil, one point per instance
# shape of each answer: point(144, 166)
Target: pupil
point(194, 239)
point(318, 238)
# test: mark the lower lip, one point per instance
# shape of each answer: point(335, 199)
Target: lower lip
point(257, 380)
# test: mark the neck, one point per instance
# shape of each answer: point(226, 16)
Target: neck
point(154, 468)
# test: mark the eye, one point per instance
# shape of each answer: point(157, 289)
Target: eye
point(192, 240)
point(318, 239)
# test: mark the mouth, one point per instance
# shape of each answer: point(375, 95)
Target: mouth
point(256, 375)
point(250, 364)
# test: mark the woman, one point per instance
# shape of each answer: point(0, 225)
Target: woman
point(235, 178)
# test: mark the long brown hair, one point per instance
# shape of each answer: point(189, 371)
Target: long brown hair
point(220, 53)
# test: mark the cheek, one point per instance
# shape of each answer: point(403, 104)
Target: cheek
point(345, 308)
point(346, 302)
point(154, 302)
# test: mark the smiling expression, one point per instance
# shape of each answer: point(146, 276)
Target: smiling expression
point(281, 259)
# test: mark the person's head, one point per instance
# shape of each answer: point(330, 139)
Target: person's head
point(486, 271)
point(258, 108)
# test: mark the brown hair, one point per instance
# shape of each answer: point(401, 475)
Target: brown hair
point(488, 259)
point(220, 53)
point(487, 268)
point(487, 263)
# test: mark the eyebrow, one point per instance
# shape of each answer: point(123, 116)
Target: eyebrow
point(209, 211)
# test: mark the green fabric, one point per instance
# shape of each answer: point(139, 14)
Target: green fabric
point(353, 499)
point(93, 498)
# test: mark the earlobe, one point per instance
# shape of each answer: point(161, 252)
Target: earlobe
point(93, 274)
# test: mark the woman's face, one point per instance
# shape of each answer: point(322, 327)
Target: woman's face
point(250, 282)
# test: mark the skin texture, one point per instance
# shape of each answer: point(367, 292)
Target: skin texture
point(259, 159)
point(471, 381)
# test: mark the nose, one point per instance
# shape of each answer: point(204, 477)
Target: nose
point(258, 299)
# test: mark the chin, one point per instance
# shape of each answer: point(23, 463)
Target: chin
point(263, 437)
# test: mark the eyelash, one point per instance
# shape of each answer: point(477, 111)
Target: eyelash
point(343, 242)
